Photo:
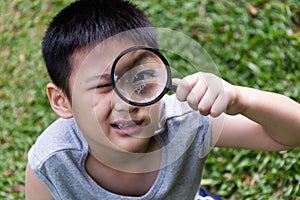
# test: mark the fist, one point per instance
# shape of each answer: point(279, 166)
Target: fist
point(209, 94)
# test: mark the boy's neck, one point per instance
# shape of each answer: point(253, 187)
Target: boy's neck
point(118, 182)
point(129, 162)
point(125, 174)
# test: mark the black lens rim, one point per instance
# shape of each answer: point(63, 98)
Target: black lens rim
point(156, 52)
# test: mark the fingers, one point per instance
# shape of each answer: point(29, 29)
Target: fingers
point(219, 106)
point(203, 92)
point(205, 104)
point(184, 87)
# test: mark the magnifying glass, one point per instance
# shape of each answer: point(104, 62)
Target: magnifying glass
point(141, 76)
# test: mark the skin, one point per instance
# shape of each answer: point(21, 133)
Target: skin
point(254, 119)
point(241, 118)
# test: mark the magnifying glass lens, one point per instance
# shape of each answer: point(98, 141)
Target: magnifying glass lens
point(140, 76)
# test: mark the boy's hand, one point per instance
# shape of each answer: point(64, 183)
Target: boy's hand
point(210, 94)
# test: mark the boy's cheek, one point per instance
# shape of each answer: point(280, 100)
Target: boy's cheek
point(154, 114)
point(92, 127)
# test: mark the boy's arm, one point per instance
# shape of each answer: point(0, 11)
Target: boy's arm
point(268, 121)
point(34, 188)
point(255, 119)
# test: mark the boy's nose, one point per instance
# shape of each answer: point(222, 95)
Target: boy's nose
point(119, 104)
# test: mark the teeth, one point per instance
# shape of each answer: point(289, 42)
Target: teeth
point(124, 125)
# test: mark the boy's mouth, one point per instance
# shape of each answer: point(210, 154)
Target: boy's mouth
point(127, 127)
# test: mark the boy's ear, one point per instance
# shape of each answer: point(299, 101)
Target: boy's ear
point(58, 101)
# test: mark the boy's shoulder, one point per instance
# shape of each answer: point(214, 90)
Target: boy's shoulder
point(173, 109)
point(61, 135)
point(178, 118)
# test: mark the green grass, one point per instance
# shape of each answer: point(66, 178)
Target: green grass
point(260, 51)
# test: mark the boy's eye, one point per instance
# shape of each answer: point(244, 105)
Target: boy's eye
point(144, 82)
point(104, 87)
point(143, 76)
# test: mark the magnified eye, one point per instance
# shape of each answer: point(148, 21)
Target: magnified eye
point(144, 82)
point(143, 76)
point(140, 75)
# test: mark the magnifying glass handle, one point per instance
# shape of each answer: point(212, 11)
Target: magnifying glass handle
point(173, 87)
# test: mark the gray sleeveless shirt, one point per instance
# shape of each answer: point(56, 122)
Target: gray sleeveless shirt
point(59, 154)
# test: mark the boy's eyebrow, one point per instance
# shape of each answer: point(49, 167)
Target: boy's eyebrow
point(98, 77)
point(136, 59)
point(141, 56)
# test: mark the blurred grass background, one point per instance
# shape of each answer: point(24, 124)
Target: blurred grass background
point(254, 43)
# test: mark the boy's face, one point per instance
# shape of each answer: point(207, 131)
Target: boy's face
point(105, 120)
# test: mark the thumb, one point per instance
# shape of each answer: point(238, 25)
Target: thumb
point(175, 83)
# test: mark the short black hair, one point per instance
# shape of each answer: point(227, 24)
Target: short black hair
point(82, 24)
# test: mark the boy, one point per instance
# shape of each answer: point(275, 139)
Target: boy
point(104, 148)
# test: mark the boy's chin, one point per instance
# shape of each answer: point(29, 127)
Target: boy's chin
point(134, 146)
